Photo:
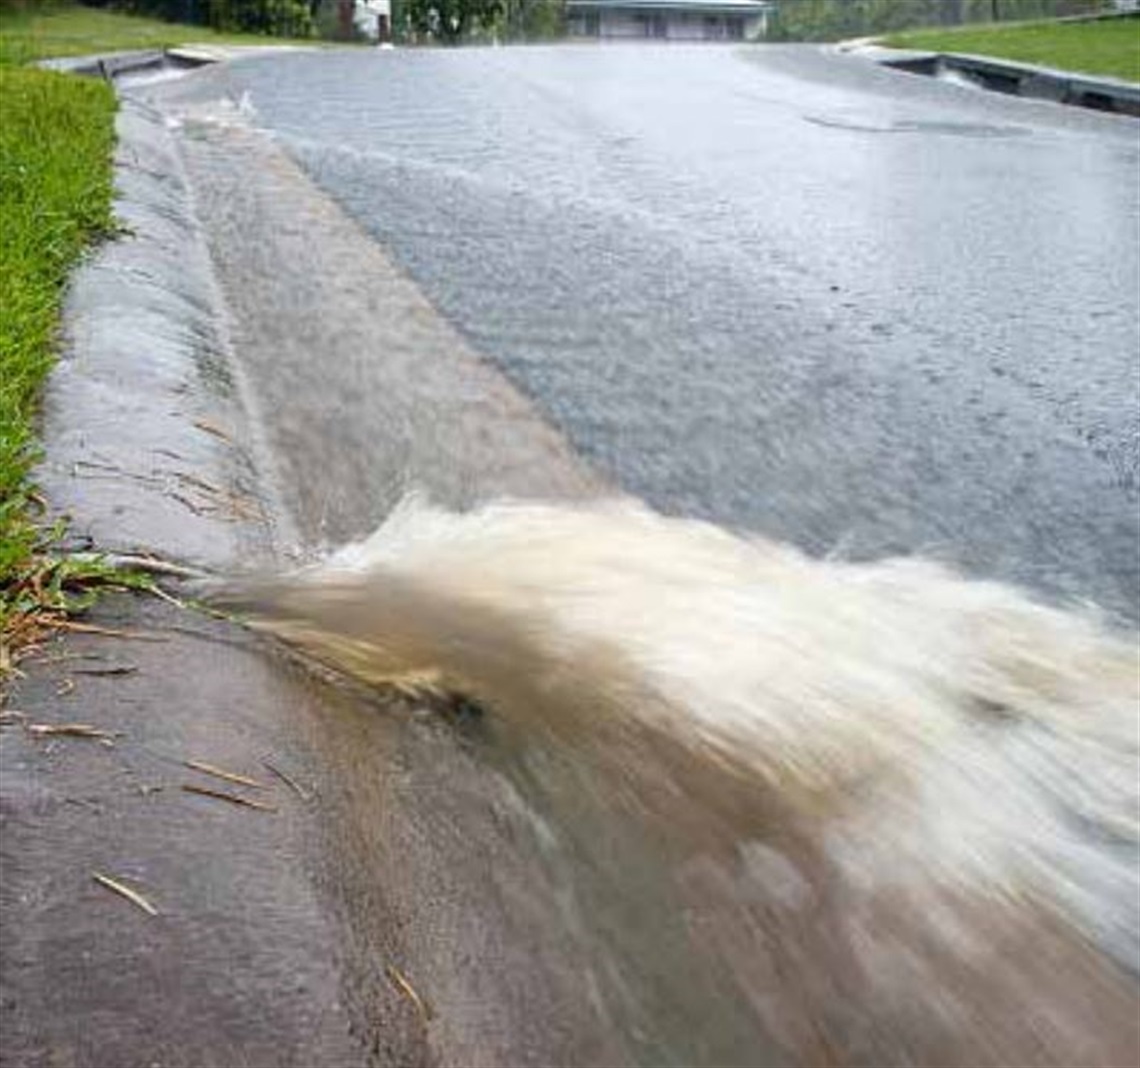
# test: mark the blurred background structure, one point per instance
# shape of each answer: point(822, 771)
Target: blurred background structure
point(459, 21)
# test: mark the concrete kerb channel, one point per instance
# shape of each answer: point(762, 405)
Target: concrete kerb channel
point(146, 375)
point(147, 65)
point(112, 66)
point(1004, 76)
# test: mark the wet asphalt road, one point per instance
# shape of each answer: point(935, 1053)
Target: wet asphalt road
point(789, 291)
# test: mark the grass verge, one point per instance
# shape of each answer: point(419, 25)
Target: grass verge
point(56, 139)
point(54, 30)
point(1110, 47)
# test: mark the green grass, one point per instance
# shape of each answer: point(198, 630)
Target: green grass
point(56, 138)
point(1108, 46)
point(65, 30)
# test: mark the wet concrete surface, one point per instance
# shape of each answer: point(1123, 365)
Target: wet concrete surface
point(277, 931)
point(782, 289)
point(241, 964)
point(364, 390)
point(149, 448)
point(149, 445)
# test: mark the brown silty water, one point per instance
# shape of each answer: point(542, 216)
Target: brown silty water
point(889, 811)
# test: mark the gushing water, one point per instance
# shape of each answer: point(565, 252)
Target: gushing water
point(903, 805)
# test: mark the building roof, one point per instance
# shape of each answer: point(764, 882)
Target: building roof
point(720, 7)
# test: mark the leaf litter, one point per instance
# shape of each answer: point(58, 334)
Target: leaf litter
point(125, 891)
point(221, 773)
point(225, 795)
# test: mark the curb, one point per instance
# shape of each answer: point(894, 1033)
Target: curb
point(159, 64)
point(1005, 76)
point(113, 65)
point(148, 442)
point(1025, 80)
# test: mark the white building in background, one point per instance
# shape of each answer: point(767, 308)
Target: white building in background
point(373, 18)
point(669, 20)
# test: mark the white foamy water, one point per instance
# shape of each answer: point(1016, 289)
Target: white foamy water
point(902, 805)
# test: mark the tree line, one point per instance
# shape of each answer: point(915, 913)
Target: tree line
point(452, 21)
point(455, 21)
point(420, 21)
point(278, 18)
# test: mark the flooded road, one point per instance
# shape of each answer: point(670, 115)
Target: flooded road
point(791, 292)
point(845, 308)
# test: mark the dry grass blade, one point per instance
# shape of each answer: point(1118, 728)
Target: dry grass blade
point(409, 991)
point(70, 730)
point(187, 503)
point(222, 795)
point(297, 788)
point(154, 566)
point(201, 483)
point(162, 595)
point(67, 658)
point(229, 776)
point(98, 466)
point(217, 432)
point(245, 507)
point(12, 716)
point(110, 632)
point(114, 669)
point(125, 891)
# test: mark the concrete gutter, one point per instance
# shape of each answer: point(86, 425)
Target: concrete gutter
point(113, 66)
point(1005, 76)
point(133, 68)
point(148, 446)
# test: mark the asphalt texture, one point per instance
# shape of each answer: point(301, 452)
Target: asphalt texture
point(862, 311)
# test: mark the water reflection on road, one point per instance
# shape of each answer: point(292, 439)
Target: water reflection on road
point(782, 290)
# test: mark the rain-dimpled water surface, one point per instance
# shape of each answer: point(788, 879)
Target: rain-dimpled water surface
point(779, 289)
